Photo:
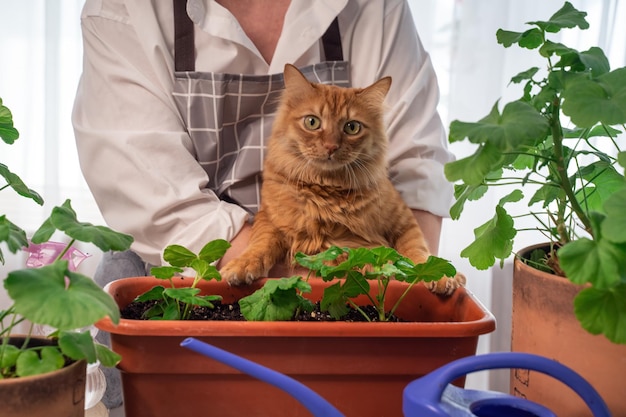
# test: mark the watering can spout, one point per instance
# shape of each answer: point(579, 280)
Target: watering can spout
point(317, 405)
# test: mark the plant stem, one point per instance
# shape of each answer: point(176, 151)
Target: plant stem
point(67, 247)
point(561, 169)
point(357, 308)
point(395, 306)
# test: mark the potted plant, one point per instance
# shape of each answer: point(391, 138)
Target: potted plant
point(561, 140)
point(46, 376)
point(338, 359)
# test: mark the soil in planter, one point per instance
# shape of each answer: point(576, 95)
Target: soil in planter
point(222, 312)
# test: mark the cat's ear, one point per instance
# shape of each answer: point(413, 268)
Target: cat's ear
point(377, 91)
point(295, 81)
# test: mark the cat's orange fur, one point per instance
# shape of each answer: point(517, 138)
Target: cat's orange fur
point(323, 186)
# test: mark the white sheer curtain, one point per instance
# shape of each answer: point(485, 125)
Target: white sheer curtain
point(40, 64)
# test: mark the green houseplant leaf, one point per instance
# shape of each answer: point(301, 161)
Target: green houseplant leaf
point(63, 218)
point(602, 311)
point(8, 133)
point(600, 100)
point(40, 361)
point(276, 300)
point(18, 185)
point(55, 296)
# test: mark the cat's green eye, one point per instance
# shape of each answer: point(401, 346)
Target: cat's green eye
point(352, 127)
point(312, 122)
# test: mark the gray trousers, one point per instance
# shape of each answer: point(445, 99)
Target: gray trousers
point(113, 266)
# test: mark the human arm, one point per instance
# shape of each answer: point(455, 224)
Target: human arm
point(431, 228)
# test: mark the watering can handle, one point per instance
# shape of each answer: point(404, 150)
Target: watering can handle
point(433, 384)
point(316, 404)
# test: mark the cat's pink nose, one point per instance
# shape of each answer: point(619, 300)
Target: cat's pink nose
point(331, 148)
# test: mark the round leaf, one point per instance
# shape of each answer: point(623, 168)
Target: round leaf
point(57, 297)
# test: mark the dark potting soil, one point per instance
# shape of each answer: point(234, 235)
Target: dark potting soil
point(223, 312)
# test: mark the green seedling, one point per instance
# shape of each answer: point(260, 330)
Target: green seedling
point(177, 303)
point(283, 299)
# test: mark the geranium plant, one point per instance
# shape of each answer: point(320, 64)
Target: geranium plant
point(52, 295)
point(177, 303)
point(562, 139)
point(282, 299)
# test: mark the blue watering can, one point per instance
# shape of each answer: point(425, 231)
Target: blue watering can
point(432, 395)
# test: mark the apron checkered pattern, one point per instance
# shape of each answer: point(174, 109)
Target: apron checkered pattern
point(229, 116)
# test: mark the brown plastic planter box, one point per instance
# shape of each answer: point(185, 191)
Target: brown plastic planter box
point(361, 368)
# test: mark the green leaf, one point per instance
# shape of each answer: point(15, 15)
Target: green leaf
point(603, 311)
point(165, 272)
point(43, 296)
point(547, 193)
point(32, 362)
point(599, 262)
point(78, 346)
point(614, 225)
point(334, 301)
point(63, 218)
point(473, 169)
point(276, 300)
point(7, 132)
point(214, 250)
point(600, 100)
point(621, 159)
point(525, 75)
point(318, 261)
point(186, 295)
point(595, 60)
point(180, 256)
point(12, 235)
point(603, 182)
point(106, 356)
point(434, 269)
point(494, 239)
point(8, 356)
point(154, 293)
point(529, 39)
point(15, 182)
point(464, 193)
point(519, 126)
point(550, 48)
point(205, 271)
point(566, 17)
point(170, 311)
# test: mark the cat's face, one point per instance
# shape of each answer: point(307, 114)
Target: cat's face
point(330, 127)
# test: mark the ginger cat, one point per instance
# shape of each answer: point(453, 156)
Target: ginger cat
point(325, 182)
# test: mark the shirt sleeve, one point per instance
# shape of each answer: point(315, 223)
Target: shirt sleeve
point(134, 152)
point(417, 139)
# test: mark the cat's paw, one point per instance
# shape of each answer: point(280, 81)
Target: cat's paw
point(447, 285)
point(243, 271)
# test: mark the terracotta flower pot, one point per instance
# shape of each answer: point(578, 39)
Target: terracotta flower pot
point(58, 393)
point(361, 368)
point(544, 323)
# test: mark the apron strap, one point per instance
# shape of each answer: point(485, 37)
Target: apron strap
point(332, 42)
point(184, 54)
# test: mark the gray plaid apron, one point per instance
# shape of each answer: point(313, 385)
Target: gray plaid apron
point(229, 116)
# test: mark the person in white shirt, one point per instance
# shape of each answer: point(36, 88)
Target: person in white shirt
point(165, 152)
point(177, 98)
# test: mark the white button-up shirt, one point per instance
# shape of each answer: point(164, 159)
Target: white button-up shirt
point(136, 155)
